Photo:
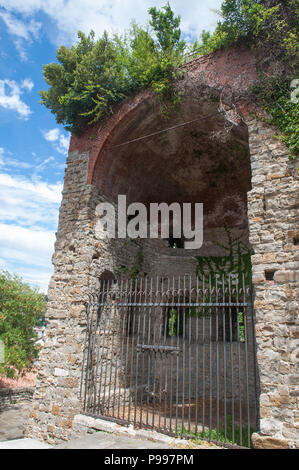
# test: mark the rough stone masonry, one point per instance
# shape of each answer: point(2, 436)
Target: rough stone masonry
point(271, 205)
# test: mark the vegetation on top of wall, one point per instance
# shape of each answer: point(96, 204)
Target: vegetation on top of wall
point(271, 26)
point(95, 74)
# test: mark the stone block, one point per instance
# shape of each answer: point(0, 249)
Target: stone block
point(55, 410)
point(268, 442)
point(285, 276)
point(60, 372)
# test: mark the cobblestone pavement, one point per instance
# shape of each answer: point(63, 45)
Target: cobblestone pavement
point(13, 420)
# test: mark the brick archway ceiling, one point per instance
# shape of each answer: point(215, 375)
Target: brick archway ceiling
point(187, 164)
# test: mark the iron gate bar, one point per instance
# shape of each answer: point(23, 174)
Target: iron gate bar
point(211, 366)
point(232, 367)
point(239, 377)
point(224, 361)
point(203, 370)
point(195, 368)
point(175, 304)
point(167, 433)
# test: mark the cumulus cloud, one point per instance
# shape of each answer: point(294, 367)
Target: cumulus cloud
point(38, 190)
point(10, 96)
point(28, 221)
point(24, 32)
point(19, 28)
point(100, 15)
point(27, 252)
point(24, 244)
point(61, 141)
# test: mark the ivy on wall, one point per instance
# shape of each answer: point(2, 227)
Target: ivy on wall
point(237, 262)
point(133, 271)
point(223, 276)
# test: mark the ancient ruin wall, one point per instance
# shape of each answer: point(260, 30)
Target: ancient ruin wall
point(79, 258)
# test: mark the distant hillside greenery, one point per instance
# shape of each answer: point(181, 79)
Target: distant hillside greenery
point(95, 74)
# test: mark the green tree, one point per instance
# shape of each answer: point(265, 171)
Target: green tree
point(272, 27)
point(94, 75)
point(21, 308)
point(167, 29)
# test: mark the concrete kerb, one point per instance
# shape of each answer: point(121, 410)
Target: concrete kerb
point(83, 423)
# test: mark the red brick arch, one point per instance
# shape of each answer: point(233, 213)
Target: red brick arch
point(233, 66)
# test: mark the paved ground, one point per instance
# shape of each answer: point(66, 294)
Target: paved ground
point(23, 444)
point(104, 440)
point(13, 419)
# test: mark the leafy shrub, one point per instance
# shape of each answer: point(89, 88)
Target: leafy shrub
point(21, 308)
point(94, 75)
point(272, 26)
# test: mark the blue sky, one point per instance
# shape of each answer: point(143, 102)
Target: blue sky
point(33, 147)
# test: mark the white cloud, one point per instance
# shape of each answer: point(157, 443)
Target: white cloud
point(28, 221)
point(28, 203)
point(21, 50)
point(35, 276)
point(39, 190)
point(18, 28)
point(25, 32)
point(6, 161)
point(28, 253)
point(26, 245)
point(10, 96)
point(43, 164)
point(27, 83)
point(71, 15)
point(2, 151)
point(51, 135)
point(64, 142)
point(12, 162)
point(60, 140)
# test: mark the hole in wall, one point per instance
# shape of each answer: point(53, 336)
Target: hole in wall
point(269, 275)
point(107, 276)
point(296, 241)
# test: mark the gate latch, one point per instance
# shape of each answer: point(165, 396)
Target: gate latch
point(156, 348)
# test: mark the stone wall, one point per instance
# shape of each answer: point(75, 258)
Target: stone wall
point(80, 258)
point(56, 400)
point(15, 395)
point(273, 214)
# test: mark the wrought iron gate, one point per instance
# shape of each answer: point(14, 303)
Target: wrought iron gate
point(175, 355)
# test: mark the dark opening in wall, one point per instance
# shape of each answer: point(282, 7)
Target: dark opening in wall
point(296, 241)
point(107, 277)
point(269, 275)
point(176, 242)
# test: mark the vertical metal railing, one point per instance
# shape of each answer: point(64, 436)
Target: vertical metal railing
point(176, 355)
